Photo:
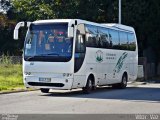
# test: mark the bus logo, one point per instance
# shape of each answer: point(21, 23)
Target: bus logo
point(99, 56)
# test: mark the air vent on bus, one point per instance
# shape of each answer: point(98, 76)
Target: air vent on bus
point(46, 84)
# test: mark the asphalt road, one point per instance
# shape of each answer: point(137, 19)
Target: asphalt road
point(134, 99)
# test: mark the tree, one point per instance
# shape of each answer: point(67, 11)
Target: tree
point(33, 9)
point(98, 11)
point(4, 6)
point(143, 15)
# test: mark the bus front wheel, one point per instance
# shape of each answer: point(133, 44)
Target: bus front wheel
point(44, 90)
point(89, 86)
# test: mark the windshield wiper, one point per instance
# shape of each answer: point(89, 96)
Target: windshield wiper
point(30, 57)
point(54, 54)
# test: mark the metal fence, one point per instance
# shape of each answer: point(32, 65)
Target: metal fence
point(150, 69)
point(11, 59)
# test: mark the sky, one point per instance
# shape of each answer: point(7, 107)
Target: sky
point(2, 9)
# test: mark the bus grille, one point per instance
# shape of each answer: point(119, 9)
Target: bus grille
point(46, 84)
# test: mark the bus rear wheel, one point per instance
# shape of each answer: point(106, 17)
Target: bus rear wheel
point(44, 90)
point(89, 86)
point(123, 83)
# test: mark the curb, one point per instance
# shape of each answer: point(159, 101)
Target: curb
point(16, 91)
point(137, 83)
point(146, 84)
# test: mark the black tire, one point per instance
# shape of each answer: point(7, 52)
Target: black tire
point(115, 86)
point(123, 83)
point(44, 90)
point(89, 86)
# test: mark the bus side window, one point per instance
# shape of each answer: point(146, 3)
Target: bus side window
point(92, 38)
point(104, 39)
point(132, 43)
point(114, 39)
point(110, 41)
point(123, 40)
point(80, 43)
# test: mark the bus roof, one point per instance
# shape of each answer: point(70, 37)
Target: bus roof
point(72, 21)
point(119, 26)
point(53, 20)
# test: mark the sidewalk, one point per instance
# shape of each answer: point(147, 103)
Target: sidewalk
point(17, 90)
point(148, 83)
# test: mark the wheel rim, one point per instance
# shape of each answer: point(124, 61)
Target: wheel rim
point(125, 81)
point(90, 84)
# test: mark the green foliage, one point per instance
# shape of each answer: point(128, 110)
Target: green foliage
point(10, 76)
point(33, 9)
point(5, 60)
point(7, 44)
point(143, 15)
point(93, 10)
point(5, 5)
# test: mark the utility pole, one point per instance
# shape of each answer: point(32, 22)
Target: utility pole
point(119, 11)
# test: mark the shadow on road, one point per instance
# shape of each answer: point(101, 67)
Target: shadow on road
point(130, 93)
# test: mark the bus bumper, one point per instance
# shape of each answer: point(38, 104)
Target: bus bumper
point(55, 83)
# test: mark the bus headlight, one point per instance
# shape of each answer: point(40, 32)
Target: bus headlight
point(27, 73)
point(64, 74)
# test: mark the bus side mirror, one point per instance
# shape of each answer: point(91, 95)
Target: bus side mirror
point(28, 24)
point(70, 32)
point(16, 30)
point(15, 34)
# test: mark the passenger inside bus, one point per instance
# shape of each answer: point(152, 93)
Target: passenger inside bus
point(56, 41)
point(60, 45)
point(51, 42)
point(41, 41)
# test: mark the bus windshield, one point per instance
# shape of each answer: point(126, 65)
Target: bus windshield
point(48, 42)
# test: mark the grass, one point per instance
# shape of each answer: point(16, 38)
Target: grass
point(10, 74)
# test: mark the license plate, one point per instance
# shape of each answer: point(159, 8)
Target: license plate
point(45, 79)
